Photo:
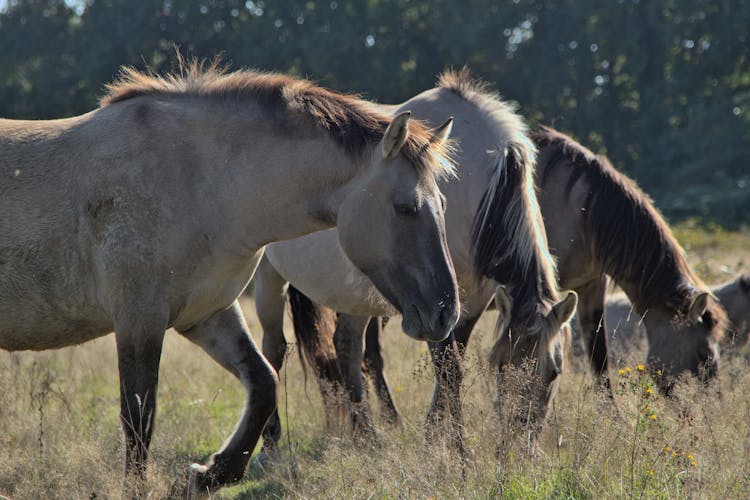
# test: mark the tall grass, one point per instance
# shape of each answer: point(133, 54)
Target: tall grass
point(60, 434)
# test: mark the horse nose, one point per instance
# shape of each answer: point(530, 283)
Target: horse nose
point(447, 316)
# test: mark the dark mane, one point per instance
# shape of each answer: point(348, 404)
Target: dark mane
point(508, 236)
point(349, 120)
point(624, 230)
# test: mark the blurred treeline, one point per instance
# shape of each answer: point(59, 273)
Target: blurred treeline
point(661, 87)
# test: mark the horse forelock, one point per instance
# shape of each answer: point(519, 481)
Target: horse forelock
point(350, 121)
point(626, 233)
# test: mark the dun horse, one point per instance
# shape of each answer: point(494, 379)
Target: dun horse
point(152, 212)
point(626, 333)
point(495, 235)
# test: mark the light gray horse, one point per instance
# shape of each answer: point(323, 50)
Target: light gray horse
point(152, 212)
point(494, 230)
point(626, 329)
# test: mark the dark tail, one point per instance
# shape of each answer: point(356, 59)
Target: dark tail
point(313, 328)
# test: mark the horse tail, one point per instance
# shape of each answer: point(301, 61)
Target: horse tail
point(313, 328)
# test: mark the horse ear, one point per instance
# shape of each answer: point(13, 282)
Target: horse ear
point(395, 135)
point(745, 283)
point(441, 134)
point(698, 306)
point(502, 304)
point(565, 309)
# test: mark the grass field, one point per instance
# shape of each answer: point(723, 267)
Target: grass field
point(60, 435)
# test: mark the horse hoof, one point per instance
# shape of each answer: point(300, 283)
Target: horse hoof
point(187, 484)
point(267, 460)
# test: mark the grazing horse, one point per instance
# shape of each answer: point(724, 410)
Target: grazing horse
point(153, 210)
point(600, 225)
point(626, 332)
point(495, 235)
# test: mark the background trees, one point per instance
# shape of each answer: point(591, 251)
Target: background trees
point(663, 88)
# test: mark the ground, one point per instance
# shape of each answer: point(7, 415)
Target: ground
point(60, 435)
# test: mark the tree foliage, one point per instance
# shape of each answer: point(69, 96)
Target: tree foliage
point(663, 88)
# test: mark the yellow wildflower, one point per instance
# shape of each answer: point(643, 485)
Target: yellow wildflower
point(693, 463)
point(627, 369)
point(649, 391)
point(640, 367)
point(667, 448)
point(653, 416)
point(621, 372)
point(651, 472)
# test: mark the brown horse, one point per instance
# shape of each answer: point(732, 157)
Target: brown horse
point(626, 329)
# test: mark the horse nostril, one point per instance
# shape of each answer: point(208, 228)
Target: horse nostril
point(445, 315)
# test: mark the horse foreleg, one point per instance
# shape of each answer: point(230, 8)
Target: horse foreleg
point(139, 335)
point(348, 339)
point(375, 367)
point(226, 339)
point(270, 300)
point(591, 310)
point(446, 356)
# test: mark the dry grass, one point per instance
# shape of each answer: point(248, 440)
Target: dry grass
point(61, 437)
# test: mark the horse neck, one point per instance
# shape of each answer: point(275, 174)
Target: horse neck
point(282, 184)
point(634, 248)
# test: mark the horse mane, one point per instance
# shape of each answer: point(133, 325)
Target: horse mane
point(508, 236)
point(350, 121)
point(625, 232)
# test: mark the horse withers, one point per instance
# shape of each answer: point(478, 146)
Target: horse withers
point(152, 212)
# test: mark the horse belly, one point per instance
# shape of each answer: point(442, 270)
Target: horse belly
point(45, 303)
point(30, 327)
point(214, 288)
point(316, 266)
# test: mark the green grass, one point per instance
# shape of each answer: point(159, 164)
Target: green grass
point(60, 434)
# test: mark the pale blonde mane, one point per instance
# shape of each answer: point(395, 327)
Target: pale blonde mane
point(509, 237)
point(349, 120)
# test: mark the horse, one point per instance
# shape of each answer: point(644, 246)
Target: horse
point(626, 333)
point(495, 234)
point(601, 225)
point(152, 211)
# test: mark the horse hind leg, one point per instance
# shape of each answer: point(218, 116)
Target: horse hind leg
point(226, 339)
point(270, 290)
point(348, 339)
point(374, 367)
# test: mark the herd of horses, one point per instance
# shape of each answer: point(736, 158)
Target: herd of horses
point(155, 210)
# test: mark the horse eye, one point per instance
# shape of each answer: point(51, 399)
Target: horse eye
point(405, 209)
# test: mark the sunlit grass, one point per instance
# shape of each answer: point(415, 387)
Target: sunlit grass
point(61, 436)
